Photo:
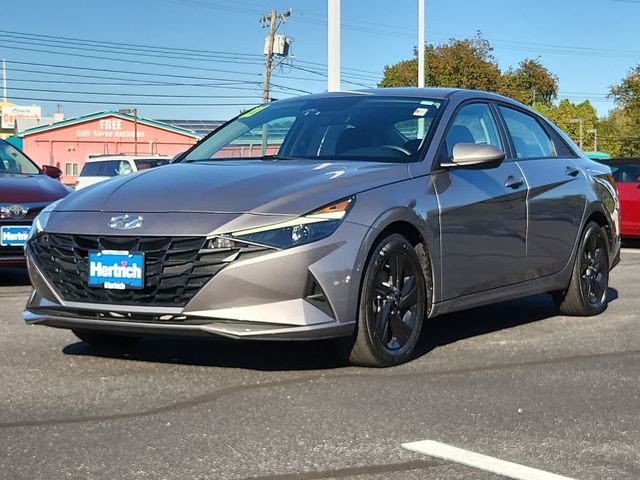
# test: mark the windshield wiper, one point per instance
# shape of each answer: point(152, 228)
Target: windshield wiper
point(278, 157)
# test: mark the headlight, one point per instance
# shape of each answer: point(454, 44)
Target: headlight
point(40, 222)
point(305, 229)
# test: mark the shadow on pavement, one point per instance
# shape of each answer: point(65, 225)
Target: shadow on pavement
point(214, 352)
point(272, 356)
point(14, 277)
point(456, 326)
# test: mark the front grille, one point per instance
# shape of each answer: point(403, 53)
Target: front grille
point(176, 268)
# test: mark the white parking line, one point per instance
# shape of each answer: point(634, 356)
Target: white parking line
point(630, 250)
point(481, 462)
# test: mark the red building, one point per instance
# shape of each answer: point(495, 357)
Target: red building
point(68, 144)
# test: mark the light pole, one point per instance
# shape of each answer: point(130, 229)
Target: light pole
point(595, 138)
point(579, 121)
point(333, 45)
point(421, 43)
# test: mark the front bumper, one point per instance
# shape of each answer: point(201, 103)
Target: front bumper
point(266, 297)
point(234, 330)
point(12, 260)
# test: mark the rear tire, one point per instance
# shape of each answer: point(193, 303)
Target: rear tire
point(100, 339)
point(587, 291)
point(393, 303)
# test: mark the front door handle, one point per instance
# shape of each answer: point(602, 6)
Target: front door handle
point(572, 171)
point(513, 182)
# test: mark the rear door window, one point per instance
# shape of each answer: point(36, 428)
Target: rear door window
point(529, 139)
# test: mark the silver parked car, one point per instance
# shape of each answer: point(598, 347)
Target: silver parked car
point(352, 215)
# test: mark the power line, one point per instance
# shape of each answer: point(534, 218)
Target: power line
point(139, 62)
point(137, 46)
point(154, 83)
point(146, 104)
point(107, 70)
point(143, 50)
point(232, 85)
point(122, 51)
point(155, 95)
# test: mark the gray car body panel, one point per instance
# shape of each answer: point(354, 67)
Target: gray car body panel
point(486, 242)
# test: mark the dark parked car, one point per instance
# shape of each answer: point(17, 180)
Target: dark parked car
point(25, 190)
point(351, 215)
point(626, 172)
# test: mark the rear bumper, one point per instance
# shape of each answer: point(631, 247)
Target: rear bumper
point(630, 231)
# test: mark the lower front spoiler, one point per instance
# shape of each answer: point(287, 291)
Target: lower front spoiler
point(234, 330)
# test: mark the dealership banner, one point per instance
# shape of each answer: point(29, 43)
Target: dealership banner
point(10, 113)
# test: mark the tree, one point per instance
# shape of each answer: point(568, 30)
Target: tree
point(531, 83)
point(469, 63)
point(565, 114)
point(620, 128)
point(460, 63)
point(626, 94)
point(401, 74)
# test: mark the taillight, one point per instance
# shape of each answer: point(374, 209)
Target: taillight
point(612, 180)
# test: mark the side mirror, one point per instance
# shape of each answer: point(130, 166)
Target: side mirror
point(51, 171)
point(475, 155)
point(176, 157)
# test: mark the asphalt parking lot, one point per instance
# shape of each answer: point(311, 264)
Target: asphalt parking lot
point(513, 381)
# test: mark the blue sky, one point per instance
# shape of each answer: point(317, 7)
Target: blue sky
point(589, 45)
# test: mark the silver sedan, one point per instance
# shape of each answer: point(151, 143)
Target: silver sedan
point(353, 215)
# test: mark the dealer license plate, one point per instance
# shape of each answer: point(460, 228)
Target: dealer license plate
point(116, 269)
point(14, 235)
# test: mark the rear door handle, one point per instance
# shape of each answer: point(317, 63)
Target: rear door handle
point(572, 171)
point(513, 182)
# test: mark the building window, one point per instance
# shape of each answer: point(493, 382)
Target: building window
point(71, 169)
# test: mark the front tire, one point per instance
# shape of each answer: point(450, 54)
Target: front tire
point(587, 291)
point(100, 339)
point(393, 303)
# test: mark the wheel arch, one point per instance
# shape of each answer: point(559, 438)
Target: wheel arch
point(406, 222)
point(599, 214)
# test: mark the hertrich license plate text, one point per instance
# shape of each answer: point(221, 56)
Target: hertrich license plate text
point(14, 235)
point(116, 269)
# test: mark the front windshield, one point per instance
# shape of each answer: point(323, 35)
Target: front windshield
point(350, 127)
point(14, 161)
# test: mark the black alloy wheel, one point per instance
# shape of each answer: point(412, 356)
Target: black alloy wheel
point(593, 274)
point(393, 303)
point(587, 291)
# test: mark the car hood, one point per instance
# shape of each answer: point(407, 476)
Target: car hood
point(29, 189)
point(287, 187)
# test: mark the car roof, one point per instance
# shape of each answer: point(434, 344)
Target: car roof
point(430, 92)
point(622, 161)
point(105, 158)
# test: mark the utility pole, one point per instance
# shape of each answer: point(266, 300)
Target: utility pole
point(271, 20)
point(4, 80)
point(580, 123)
point(269, 63)
point(595, 138)
point(135, 131)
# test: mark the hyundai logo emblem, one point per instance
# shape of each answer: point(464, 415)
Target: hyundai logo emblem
point(14, 211)
point(125, 222)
